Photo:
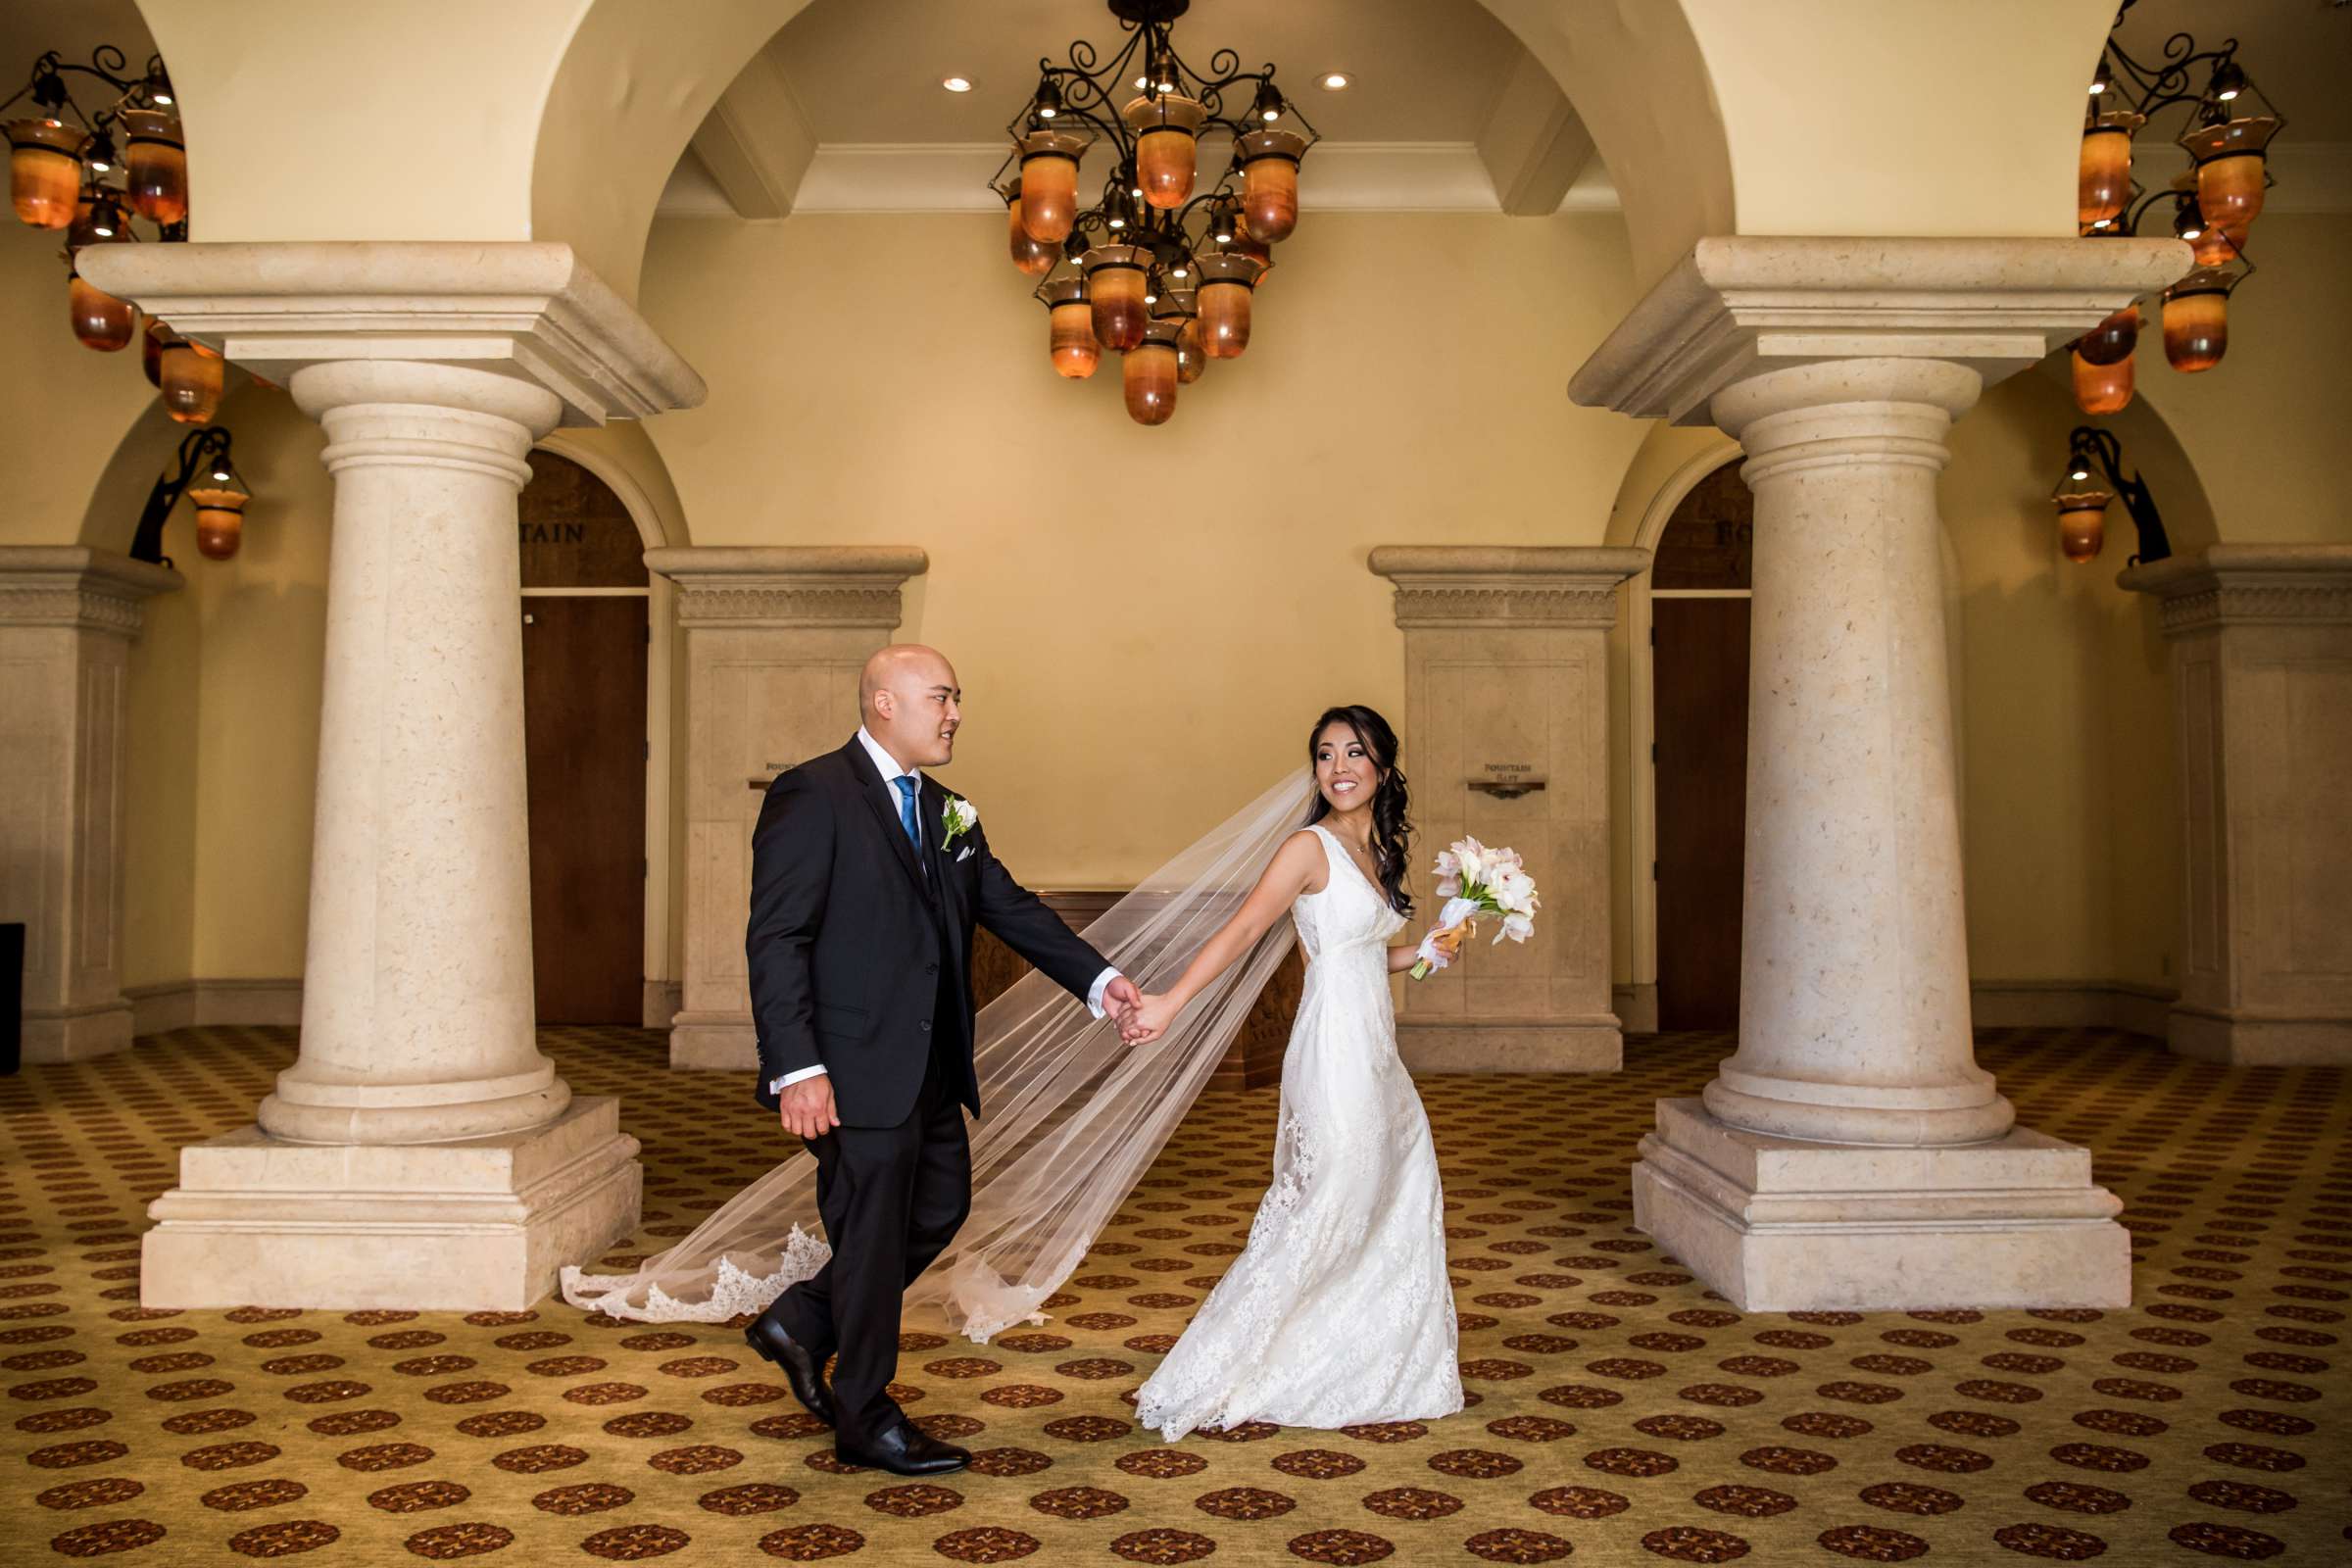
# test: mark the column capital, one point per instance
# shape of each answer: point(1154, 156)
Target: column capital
point(1506, 585)
point(2226, 585)
point(527, 311)
point(1743, 305)
point(789, 585)
point(85, 590)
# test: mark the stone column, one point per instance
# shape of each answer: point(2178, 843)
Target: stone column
point(775, 638)
point(1851, 1153)
point(2261, 642)
point(421, 1151)
point(1506, 733)
point(67, 618)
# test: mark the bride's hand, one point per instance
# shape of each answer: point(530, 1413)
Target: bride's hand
point(1151, 1020)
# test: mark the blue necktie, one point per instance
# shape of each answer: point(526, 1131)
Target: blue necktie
point(915, 832)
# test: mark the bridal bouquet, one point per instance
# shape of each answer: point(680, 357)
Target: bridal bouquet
point(1477, 881)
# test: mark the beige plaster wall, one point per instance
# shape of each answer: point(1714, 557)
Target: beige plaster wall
point(1145, 620)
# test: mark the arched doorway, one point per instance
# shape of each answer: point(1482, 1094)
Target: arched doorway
point(586, 637)
point(1699, 592)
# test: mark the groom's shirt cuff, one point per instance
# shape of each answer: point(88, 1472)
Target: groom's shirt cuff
point(776, 1086)
point(1094, 993)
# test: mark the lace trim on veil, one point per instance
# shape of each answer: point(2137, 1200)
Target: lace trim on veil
point(1073, 1116)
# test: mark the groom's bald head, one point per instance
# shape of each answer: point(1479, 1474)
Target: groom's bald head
point(907, 699)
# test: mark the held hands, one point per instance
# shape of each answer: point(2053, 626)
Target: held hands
point(807, 1107)
point(1120, 999)
point(1150, 1020)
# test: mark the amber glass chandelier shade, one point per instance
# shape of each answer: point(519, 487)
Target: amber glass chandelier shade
point(1148, 378)
point(2216, 246)
point(152, 344)
point(1224, 324)
point(2082, 524)
point(2230, 191)
point(1115, 284)
point(101, 322)
point(2104, 180)
point(1166, 146)
point(2196, 323)
point(2112, 339)
point(155, 165)
point(1050, 184)
point(1070, 330)
point(2230, 162)
point(1270, 181)
point(44, 171)
point(219, 520)
point(1181, 309)
point(1033, 256)
point(2102, 388)
point(192, 376)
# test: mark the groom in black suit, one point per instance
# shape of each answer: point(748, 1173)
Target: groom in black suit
point(865, 888)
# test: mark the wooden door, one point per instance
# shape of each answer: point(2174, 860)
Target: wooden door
point(1699, 627)
point(1700, 666)
point(584, 653)
point(583, 692)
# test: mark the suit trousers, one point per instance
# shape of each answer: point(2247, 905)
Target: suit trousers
point(891, 1199)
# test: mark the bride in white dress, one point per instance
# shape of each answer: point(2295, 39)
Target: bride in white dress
point(1339, 1311)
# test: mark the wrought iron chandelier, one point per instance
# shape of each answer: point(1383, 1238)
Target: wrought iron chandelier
point(1155, 271)
point(2214, 201)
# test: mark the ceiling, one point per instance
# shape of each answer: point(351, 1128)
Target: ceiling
point(868, 70)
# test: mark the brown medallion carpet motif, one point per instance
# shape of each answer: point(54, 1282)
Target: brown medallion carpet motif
point(1621, 1412)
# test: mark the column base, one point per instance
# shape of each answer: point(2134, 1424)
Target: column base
point(77, 1034)
point(2244, 1041)
point(1574, 1045)
point(723, 1042)
point(1779, 1225)
point(480, 1225)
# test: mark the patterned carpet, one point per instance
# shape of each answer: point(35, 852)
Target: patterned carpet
point(1620, 1411)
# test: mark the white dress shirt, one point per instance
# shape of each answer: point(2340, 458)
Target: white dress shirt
point(888, 766)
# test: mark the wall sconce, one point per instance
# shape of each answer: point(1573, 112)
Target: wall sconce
point(207, 477)
point(2094, 477)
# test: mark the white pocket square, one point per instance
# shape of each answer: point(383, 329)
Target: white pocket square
point(965, 856)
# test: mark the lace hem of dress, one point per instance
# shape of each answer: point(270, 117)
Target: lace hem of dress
point(733, 1290)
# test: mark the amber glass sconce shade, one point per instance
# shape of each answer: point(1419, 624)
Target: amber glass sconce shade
point(44, 171)
point(1116, 284)
point(1150, 374)
point(2082, 524)
point(220, 518)
point(1167, 131)
point(1269, 162)
point(2104, 182)
point(155, 165)
point(101, 322)
point(192, 377)
point(1070, 329)
point(1033, 256)
point(2230, 160)
point(1050, 183)
point(2196, 320)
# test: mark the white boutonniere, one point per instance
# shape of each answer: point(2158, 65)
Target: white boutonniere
point(960, 818)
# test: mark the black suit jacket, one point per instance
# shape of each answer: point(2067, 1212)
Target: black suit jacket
point(848, 938)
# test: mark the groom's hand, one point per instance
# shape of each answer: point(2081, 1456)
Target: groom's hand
point(1120, 999)
point(807, 1107)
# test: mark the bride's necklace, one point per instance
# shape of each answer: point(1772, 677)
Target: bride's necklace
point(1360, 854)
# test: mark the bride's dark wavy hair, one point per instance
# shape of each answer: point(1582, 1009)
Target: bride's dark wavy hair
point(1390, 831)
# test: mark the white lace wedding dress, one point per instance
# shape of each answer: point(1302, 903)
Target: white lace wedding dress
point(1339, 1311)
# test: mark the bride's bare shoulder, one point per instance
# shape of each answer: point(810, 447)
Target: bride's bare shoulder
point(1301, 863)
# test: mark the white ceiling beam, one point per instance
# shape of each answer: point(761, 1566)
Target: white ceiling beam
point(756, 142)
point(1533, 142)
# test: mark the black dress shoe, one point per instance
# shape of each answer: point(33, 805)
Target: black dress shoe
point(904, 1449)
point(803, 1372)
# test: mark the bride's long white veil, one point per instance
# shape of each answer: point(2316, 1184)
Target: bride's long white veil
point(1071, 1115)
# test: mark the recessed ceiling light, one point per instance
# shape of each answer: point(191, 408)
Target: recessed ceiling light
point(1334, 80)
point(956, 83)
